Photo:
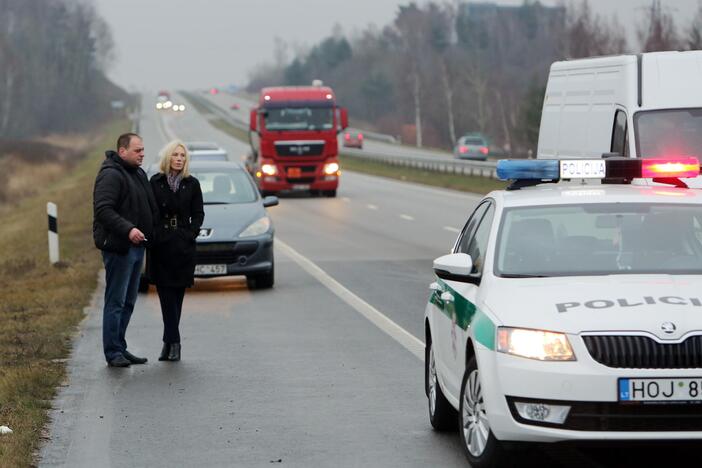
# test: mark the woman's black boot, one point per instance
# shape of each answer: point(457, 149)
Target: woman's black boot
point(174, 354)
point(165, 351)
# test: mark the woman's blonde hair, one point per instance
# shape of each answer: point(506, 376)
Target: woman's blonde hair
point(165, 164)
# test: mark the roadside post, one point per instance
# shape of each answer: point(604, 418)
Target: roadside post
point(52, 212)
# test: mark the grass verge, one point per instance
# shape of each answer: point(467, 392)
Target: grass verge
point(473, 184)
point(41, 305)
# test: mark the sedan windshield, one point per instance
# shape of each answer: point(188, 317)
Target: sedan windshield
point(600, 239)
point(220, 186)
point(299, 118)
point(669, 133)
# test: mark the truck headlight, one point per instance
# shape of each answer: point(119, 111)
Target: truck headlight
point(534, 344)
point(258, 227)
point(331, 168)
point(269, 169)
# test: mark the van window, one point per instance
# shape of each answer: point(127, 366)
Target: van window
point(668, 133)
point(619, 140)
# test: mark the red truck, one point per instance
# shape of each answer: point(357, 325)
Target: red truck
point(293, 134)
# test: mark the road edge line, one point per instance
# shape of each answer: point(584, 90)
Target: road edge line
point(410, 342)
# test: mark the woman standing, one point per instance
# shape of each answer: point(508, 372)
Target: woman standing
point(172, 262)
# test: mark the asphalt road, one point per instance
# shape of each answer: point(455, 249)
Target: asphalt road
point(322, 370)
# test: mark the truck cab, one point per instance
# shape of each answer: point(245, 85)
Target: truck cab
point(293, 134)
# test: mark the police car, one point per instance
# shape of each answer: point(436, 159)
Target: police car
point(571, 311)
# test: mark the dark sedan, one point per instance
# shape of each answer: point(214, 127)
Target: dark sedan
point(236, 237)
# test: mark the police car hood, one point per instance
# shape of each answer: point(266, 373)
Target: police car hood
point(600, 303)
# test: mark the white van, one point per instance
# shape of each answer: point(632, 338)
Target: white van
point(647, 105)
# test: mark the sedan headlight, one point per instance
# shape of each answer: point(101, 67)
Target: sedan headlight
point(258, 227)
point(331, 168)
point(534, 344)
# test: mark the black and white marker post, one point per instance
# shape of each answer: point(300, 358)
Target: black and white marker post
point(53, 233)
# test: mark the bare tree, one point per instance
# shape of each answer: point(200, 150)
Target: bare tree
point(589, 35)
point(657, 31)
point(694, 34)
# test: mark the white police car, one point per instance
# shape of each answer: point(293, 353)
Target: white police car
point(571, 311)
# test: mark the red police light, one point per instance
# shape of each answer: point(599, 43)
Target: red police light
point(677, 167)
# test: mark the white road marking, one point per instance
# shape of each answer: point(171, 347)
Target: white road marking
point(406, 217)
point(452, 229)
point(392, 329)
point(371, 207)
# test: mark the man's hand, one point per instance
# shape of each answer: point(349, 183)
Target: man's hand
point(136, 236)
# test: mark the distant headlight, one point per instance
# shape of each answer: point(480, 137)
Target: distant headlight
point(534, 344)
point(331, 168)
point(258, 227)
point(182, 107)
point(269, 169)
point(159, 105)
point(167, 104)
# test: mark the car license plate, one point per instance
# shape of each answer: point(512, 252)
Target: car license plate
point(301, 186)
point(294, 172)
point(210, 269)
point(681, 389)
point(583, 169)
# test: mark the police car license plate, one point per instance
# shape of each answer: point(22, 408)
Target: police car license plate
point(301, 186)
point(210, 269)
point(681, 389)
point(583, 169)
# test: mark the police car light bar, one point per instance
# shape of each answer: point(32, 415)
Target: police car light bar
point(554, 170)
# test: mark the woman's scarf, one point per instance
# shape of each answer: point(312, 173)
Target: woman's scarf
point(174, 179)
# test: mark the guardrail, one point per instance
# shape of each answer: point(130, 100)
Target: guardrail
point(457, 166)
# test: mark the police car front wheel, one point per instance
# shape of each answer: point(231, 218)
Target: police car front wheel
point(481, 447)
point(441, 414)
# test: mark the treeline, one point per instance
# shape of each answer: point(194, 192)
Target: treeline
point(52, 57)
point(443, 70)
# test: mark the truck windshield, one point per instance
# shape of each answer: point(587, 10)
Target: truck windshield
point(300, 118)
point(669, 133)
point(600, 239)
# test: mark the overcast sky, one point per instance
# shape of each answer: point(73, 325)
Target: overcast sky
point(186, 44)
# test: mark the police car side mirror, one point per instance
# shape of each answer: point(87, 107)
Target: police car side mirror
point(455, 267)
point(270, 201)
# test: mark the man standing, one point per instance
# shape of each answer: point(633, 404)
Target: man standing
point(124, 212)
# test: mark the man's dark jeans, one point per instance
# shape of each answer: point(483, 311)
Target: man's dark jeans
point(122, 273)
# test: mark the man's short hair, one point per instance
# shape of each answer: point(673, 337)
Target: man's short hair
point(124, 140)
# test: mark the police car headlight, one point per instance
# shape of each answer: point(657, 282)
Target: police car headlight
point(534, 344)
point(258, 227)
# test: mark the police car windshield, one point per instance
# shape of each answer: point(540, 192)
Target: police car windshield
point(669, 133)
point(299, 118)
point(600, 239)
point(224, 186)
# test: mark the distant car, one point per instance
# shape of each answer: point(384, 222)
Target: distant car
point(236, 237)
point(471, 147)
point(178, 107)
point(206, 151)
point(235, 106)
point(353, 139)
point(214, 90)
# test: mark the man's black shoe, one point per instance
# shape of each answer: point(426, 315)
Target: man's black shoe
point(119, 361)
point(134, 359)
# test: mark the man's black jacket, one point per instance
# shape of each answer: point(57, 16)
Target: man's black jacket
point(122, 200)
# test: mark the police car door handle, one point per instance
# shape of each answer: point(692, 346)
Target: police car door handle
point(434, 287)
point(447, 297)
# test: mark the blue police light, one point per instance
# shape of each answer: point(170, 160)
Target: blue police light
point(533, 169)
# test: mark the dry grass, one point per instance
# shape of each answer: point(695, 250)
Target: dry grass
point(41, 305)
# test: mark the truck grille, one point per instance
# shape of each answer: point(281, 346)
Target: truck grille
point(643, 352)
point(299, 148)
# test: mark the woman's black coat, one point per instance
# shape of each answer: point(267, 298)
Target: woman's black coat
point(172, 259)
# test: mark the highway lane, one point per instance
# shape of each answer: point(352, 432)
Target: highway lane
point(292, 374)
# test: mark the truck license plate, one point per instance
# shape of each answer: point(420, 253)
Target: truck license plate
point(681, 389)
point(210, 270)
point(294, 172)
point(301, 186)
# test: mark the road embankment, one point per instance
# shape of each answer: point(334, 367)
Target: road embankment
point(41, 305)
